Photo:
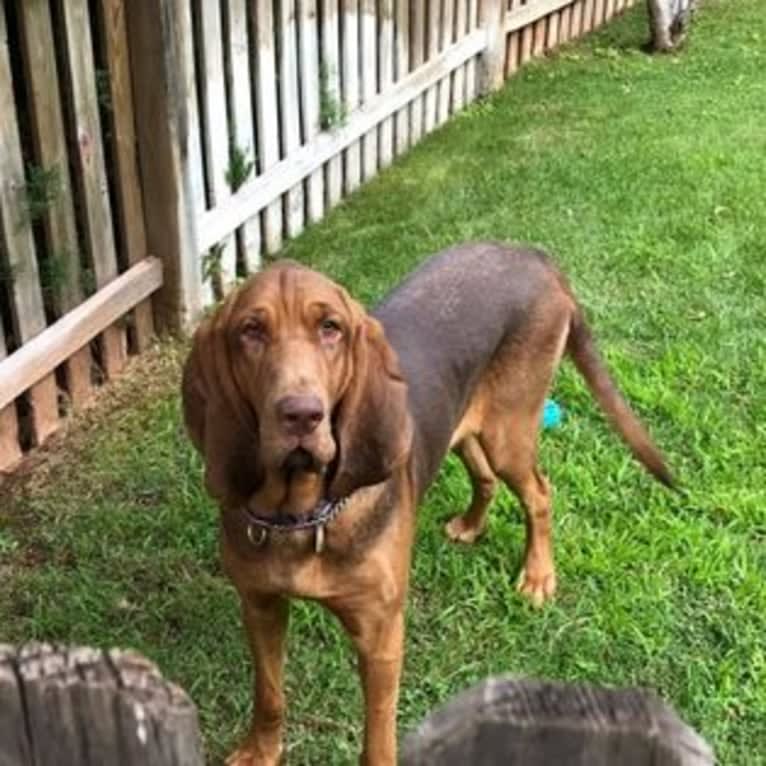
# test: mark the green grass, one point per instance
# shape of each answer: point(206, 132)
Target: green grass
point(646, 176)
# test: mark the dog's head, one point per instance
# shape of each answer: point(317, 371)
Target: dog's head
point(292, 393)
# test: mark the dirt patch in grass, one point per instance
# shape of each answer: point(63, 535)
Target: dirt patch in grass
point(154, 374)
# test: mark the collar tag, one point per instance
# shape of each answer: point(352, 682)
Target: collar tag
point(319, 538)
point(256, 535)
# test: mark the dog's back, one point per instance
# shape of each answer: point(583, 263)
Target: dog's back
point(488, 322)
point(447, 320)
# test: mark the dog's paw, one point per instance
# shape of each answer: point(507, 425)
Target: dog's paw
point(538, 588)
point(240, 757)
point(252, 756)
point(458, 531)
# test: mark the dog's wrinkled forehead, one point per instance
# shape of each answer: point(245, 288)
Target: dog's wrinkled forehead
point(285, 291)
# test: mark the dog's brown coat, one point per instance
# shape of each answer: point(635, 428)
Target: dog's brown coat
point(477, 332)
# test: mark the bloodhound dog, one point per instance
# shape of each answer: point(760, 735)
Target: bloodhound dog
point(321, 427)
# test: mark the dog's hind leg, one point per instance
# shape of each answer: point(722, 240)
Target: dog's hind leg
point(509, 435)
point(467, 527)
point(537, 580)
point(510, 443)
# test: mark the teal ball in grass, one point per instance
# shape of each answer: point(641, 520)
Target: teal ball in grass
point(552, 414)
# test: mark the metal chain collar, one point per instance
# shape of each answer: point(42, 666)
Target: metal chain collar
point(258, 527)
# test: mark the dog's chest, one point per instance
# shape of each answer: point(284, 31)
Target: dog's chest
point(312, 563)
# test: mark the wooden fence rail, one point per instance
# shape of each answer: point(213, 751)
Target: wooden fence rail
point(205, 132)
point(62, 706)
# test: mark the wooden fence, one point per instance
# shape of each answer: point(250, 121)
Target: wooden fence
point(74, 278)
point(524, 722)
point(288, 106)
point(204, 132)
point(77, 706)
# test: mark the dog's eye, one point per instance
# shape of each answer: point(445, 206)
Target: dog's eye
point(253, 329)
point(330, 330)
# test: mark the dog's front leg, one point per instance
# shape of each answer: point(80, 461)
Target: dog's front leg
point(265, 620)
point(377, 631)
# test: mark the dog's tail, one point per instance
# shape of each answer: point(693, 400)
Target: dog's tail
point(588, 361)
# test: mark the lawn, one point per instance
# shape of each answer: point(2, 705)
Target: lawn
point(646, 176)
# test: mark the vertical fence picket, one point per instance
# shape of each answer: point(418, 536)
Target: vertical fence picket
point(402, 67)
point(458, 78)
point(599, 13)
point(168, 139)
point(445, 40)
point(242, 133)
point(526, 35)
point(432, 50)
point(576, 27)
point(127, 184)
point(586, 23)
point(10, 449)
point(592, 14)
point(309, 81)
point(49, 140)
point(266, 112)
point(470, 67)
point(212, 81)
point(194, 167)
point(26, 298)
point(289, 107)
point(91, 170)
point(386, 76)
point(350, 48)
point(539, 35)
point(565, 25)
point(417, 57)
point(493, 58)
point(552, 33)
point(330, 95)
point(604, 14)
point(514, 45)
point(369, 65)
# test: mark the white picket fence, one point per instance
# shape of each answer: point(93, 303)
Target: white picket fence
point(320, 95)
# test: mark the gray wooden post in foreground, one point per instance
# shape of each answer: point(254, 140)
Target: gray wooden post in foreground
point(83, 707)
point(507, 721)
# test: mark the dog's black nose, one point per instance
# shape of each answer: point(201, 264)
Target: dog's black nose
point(300, 415)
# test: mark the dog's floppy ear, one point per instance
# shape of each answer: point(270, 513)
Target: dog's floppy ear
point(373, 427)
point(219, 422)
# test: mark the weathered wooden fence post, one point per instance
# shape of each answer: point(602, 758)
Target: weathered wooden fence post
point(84, 707)
point(519, 722)
point(161, 56)
point(492, 73)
